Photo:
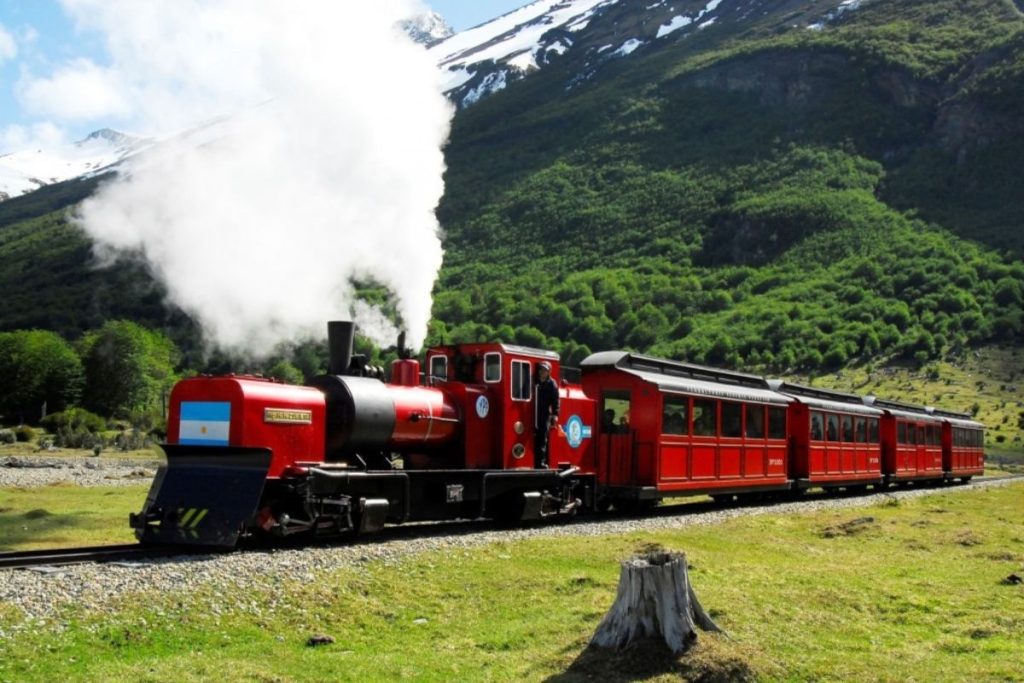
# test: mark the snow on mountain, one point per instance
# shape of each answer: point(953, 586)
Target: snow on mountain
point(487, 58)
point(27, 170)
point(427, 28)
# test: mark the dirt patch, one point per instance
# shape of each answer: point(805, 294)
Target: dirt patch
point(711, 660)
point(1001, 556)
point(914, 544)
point(38, 513)
point(967, 538)
point(852, 527)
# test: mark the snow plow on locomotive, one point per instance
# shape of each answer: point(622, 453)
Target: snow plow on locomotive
point(350, 452)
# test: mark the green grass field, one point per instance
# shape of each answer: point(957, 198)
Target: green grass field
point(911, 592)
point(64, 515)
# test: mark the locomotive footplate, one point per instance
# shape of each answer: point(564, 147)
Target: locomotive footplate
point(203, 495)
point(421, 495)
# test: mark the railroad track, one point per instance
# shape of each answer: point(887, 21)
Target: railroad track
point(137, 552)
point(23, 559)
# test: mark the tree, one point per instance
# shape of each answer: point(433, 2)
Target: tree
point(39, 372)
point(127, 368)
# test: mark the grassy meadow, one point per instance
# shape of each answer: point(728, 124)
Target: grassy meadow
point(906, 590)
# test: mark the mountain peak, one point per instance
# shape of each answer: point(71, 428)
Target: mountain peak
point(428, 28)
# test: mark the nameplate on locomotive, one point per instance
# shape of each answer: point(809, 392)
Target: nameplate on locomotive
point(288, 416)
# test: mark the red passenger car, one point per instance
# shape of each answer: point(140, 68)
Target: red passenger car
point(963, 445)
point(911, 442)
point(670, 429)
point(834, 438)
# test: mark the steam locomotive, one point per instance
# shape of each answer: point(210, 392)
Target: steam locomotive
point(351, 452)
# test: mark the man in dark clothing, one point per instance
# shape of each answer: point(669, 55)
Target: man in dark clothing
point(546, 416)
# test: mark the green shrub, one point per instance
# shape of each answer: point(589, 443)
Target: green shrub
point(7, 436)
point(74, 420)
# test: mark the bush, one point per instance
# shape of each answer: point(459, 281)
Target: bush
point(24, 434)
point(74, 420)
point(7, 436)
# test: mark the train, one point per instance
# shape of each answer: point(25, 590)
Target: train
point(359, 448)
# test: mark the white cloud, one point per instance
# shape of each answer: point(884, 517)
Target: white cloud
point(8, 46)
point(259, 231)
point(43, 135)
point(78, 91)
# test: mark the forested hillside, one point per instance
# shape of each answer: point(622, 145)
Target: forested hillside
point(765, 193)
point(759, 195)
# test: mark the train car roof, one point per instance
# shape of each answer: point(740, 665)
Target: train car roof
point(956, 419)
point(675, 376)
point(901, 409)
point(826, 399)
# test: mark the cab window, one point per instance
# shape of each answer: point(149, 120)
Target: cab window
point(522, 387)
point(615, 412)
point(674, 415)
point(439, 367)
point(492, 367)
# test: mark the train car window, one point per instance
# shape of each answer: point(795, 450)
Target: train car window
point(705, 422)
point(847, 428)
point(873, 430)
point(675, 415)
point(732, 419)
point(522, 387)
point(615, 412)
point(912, 434)
point(817, 426)
point(755, 421)
point(439, 367)
point(934, 436)
point(862, 430)
point(901, 432)
point(776, 423)
point(492, 367)
point(832, 428)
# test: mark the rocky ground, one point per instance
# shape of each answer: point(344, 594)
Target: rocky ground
point(44, 595)
point(29, 472)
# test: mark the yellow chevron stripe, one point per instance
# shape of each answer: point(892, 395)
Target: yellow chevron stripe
point(188, 515)
point(198, 518)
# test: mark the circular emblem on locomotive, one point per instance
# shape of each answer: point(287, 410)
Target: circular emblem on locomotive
point(576, 431)
point(483, 407)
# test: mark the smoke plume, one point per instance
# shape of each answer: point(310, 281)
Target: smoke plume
point(319, 162)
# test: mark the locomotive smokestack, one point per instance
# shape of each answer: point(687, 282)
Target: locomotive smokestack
point(340, 336)
point(400, 349)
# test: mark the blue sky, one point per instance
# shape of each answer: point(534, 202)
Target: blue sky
point(36, 37)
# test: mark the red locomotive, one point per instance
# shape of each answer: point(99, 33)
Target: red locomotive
point(350, 452)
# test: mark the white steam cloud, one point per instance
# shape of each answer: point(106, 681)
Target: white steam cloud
point(321, 161)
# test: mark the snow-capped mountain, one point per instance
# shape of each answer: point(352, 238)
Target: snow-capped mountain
point(427, 28)
point(485, 59)
point(27, 170)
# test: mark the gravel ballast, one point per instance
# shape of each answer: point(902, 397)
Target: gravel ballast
point(43, 595)
point(32, 472)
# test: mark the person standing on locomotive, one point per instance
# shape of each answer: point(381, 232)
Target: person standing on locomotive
point(546, 416)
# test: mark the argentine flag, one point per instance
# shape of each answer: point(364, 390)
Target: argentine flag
point(204, 423)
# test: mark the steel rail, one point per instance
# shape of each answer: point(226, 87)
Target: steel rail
point(22, 559)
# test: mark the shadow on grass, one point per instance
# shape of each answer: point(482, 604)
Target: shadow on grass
point(18, 528)
point(711, 660)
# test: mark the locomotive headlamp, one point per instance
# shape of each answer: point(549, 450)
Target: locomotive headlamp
point(517, 427)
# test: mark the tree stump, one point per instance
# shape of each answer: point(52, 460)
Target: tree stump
point(654, 599)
